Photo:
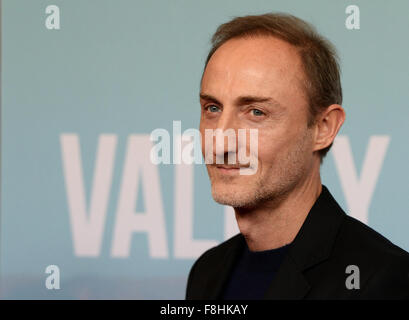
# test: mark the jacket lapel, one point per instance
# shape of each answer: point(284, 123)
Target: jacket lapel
point(288, 283)
point(312, 245)
point(220, 275)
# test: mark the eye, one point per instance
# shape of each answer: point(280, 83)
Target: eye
point(257, 112)
point(212, 108)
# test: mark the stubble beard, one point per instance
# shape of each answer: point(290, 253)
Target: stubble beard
point(250, 194)
point(270, 187)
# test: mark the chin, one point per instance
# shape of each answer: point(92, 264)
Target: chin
point(229, 196)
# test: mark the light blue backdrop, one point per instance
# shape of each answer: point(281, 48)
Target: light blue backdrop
point(128, 67)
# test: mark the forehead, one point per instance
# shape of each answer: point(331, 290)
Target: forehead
point(258, 65)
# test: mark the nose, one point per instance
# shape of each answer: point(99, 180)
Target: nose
point(225, 138)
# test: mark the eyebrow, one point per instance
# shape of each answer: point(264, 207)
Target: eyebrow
point(243, 100)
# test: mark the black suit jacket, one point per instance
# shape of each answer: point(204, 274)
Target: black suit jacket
point(316, 262)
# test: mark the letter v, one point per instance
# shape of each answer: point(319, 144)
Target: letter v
point(358, 191)
point(87, 229)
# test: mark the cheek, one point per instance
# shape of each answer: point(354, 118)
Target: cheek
point(274, 146)
point(269, 148)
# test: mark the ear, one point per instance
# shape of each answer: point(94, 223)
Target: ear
point(327, 126)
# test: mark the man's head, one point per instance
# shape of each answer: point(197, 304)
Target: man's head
point(272, 73)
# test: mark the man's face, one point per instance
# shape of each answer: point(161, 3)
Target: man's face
point(256, 83)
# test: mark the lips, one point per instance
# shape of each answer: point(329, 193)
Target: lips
point(229, 167)
point(229, 170)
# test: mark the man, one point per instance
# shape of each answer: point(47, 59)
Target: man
point(274, 73)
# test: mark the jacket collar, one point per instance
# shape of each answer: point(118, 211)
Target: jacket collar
point(313, 244)
point(316, 237)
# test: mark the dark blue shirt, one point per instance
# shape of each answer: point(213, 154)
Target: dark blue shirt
point(253, 273)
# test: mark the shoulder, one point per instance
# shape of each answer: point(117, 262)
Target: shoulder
point(207, 264)
point(386, 265)
point(358, 237)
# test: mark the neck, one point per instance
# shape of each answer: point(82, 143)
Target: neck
point(277, 222)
